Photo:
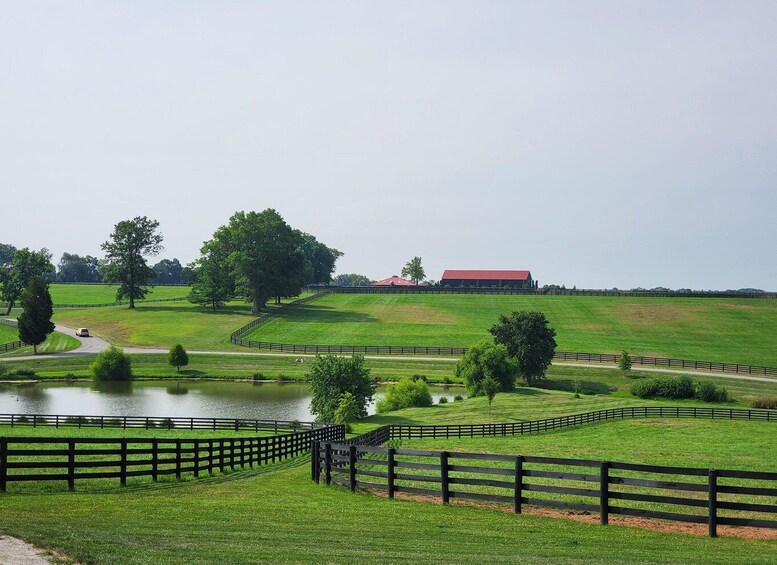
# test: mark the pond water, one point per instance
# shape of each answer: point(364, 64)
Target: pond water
point(205, 399)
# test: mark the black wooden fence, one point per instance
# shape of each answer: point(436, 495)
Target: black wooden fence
point(25, 459)
point(235, 335)
point(711, 496)
point(5, 347)
point(156, 422)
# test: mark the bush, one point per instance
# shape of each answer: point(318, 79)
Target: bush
point(347, 411)
point(330, 376)
point(112, 365)
point(23, 372)
point(458, 398)
point(768, 402)
point(443, 400)
point(679, 388)
point(710, 392)
point(257, 376)
point(405, 394)
point(3, 369)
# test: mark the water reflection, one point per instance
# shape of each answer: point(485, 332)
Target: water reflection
point(208, 399)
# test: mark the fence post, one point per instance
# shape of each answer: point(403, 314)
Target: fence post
point(154, 459)
point(123, 470)
point(713, 503)
point(604, 487)
point(518, 494)
point(178, 459)
point(314, 460)
point(444, 477)
point(3, 463)
point(391, 473)
point(328, 464)
point(352, 465)
point(196, 459)
point(71, 464)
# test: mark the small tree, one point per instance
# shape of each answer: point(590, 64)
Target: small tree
point(406, 393)
point(35, 320)
point(347, 410)
point(529, 340)
point(414, 270)
point(330, 377)
point(177, 357)
point(490, 387)
point(112, 365)
point(486, 359)
point(624, 363)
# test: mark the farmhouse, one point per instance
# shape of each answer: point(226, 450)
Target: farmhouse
point(394, 281)
point(499, 279)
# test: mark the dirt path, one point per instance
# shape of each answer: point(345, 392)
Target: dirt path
point(14, 551)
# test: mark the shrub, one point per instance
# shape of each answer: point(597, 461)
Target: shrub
point(447, 381)
point(458, 398)
point(768, 402)
point(3, 369)
point(347, 411)
point(405, 394)
point(420, 378)
point(679, 388)
point(70, 377)
point(330, 376)
point(23, 372)
point(257, 376)
point(443, 400)
point(710, 392)
point(112, 365)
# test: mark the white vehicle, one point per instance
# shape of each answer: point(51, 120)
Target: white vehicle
point(82, 332)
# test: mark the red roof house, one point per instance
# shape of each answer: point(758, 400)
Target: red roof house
point(393, 281)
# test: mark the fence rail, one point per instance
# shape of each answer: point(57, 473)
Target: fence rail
point(695, 495)
point(235, 335)
point(152, 422)
point(11, 346)
point(25, 459)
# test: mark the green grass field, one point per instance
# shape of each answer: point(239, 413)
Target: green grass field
point(729, 330)
point(56, 342)
point(105, 294)
point(8, 334)
point(276, 514)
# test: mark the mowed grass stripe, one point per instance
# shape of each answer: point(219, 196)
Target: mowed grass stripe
point(728, 330)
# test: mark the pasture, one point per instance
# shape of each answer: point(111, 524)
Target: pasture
point(105, 293)
point(729, 330)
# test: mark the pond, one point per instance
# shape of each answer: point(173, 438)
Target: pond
point(205, 399)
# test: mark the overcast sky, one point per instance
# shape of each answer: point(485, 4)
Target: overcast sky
point(598, 144)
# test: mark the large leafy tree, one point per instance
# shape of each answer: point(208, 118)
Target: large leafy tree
point(35, 320)
point(414, 269)
point(320, 259)
point(6, 255)
point(125, 252)
point(25, 265)
point(486, 360)
point(74, 268)
point(529, 340)
point(212, 281)
point(265, 255)
point(169, 271)
point(332, 376)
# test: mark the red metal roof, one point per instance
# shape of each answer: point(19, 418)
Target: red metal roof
point(450, 274)
point(393, 281)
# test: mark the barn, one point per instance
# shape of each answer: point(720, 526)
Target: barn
point(484, 278)
point(394, 281)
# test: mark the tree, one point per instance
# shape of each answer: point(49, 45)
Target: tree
point(483, 360)
point(130, 241)
point(405, 394)
point(169, 271)
point(414, 270)
point(25, 265)
point(347, 411)
point(529, 340)
point(112, 365)
point(265, 256)
point(330, 377)
point(74, 268)
point(35, 323)
point(320, 259)
point(6, 255)
point(177, 357)
point(212, 281)
point(351, 279)
point(624, 363)
point(490, 388)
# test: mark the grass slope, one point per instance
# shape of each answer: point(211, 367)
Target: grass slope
point(56, 342)
point(104, 293)
point(730, 330)
point(275, 516)
point(8, 334)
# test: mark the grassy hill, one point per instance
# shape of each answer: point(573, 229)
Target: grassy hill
point(105, 294)
point(730, 330)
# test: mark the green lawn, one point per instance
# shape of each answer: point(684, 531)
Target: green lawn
point(8, 334)
point(276, 514)
point(106, 294)
point(729, 330)
point(56, 342)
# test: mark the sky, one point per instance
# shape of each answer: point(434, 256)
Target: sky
point(598, 144)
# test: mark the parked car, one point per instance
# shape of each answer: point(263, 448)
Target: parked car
point(82, 332)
